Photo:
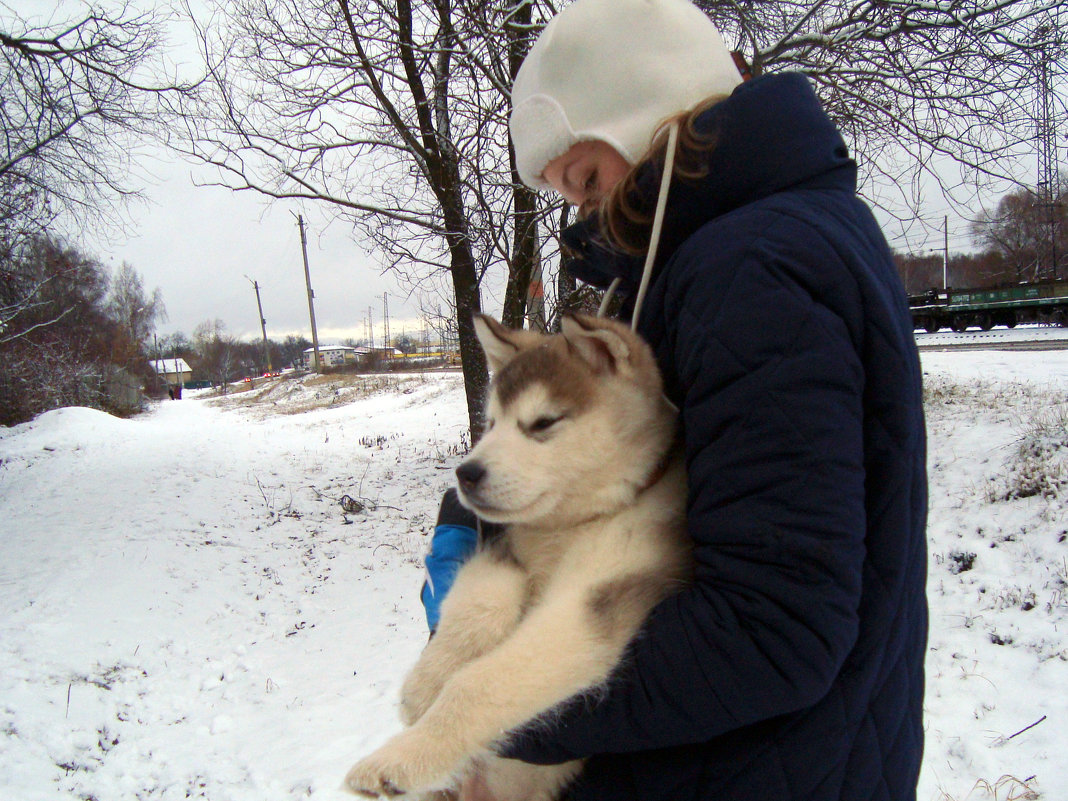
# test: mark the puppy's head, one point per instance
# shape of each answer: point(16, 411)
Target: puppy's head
point(575, 423)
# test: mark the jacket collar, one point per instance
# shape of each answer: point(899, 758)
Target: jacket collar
point(771, 134)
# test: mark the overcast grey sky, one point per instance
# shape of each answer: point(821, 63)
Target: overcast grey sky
point(201, 245)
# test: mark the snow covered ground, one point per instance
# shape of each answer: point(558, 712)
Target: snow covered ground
point(186, 611)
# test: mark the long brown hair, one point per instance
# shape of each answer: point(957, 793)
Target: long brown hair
point(625, 215)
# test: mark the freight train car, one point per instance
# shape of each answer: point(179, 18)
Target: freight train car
point(961, 309)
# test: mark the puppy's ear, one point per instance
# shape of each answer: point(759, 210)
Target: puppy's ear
point(496, 342)
point(603, 344)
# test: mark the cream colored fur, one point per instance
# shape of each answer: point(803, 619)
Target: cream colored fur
point(594, 504)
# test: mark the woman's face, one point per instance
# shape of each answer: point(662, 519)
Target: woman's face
point(586, 173)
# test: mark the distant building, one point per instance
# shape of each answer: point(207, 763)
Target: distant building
point(173, 371)
point(336, 355)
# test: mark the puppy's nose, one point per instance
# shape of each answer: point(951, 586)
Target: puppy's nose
point(469, 474)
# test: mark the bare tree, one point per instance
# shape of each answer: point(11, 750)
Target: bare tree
point(915, 87)
point(135, 312)
point(79, 96)
point(56, 335)
point(394, 114)
point(216, 356)
point(1030, 241)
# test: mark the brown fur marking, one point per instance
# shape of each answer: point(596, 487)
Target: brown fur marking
point(501, 551)
point(544, 366)
point(625, 602)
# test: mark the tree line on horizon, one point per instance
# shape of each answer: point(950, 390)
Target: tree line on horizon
point(72, 333)
point(1022, 239)
point(215, 355)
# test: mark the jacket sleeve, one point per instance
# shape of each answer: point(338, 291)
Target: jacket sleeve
point(772, 412)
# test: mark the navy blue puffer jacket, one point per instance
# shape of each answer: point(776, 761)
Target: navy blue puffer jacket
point(792, 669)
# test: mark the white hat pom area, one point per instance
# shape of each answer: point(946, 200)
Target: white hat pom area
point(613, 70)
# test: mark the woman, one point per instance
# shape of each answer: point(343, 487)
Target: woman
point(793, 667)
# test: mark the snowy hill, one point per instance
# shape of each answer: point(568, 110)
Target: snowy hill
point(188, 612)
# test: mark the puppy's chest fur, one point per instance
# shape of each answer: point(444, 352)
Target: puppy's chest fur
point(645, 541)
point(537, 553)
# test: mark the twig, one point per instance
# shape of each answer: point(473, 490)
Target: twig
point(263, 494)
point(359, 488)
point(1021, 731)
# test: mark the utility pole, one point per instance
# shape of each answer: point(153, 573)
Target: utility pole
point(945, 255)
point(263, 326)
point(1046, 141)
point(311, 293)
point(385, 317)
point(371, 327)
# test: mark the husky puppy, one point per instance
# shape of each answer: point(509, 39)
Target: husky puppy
point(579, 462)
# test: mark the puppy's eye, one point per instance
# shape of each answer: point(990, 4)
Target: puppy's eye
point(544, 424)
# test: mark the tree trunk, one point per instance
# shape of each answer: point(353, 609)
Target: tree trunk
point(566, 285)
point(465, 289)
point(524, 252)
point(524, 199)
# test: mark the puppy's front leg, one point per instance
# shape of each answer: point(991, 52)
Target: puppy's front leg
point(561, 648)
point(482, 608)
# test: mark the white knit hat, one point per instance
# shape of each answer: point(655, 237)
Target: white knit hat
point(612, 70)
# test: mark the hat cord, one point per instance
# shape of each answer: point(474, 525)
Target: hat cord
point(654, 242)
point(654, 236)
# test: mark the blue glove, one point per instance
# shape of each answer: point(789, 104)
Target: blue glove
point(455, 539)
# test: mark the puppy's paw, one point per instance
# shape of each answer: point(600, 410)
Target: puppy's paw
point(409, 764)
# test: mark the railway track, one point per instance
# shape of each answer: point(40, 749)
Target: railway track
point(1038, 338)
